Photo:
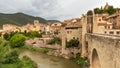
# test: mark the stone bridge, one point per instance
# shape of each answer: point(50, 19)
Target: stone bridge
point(103, 51)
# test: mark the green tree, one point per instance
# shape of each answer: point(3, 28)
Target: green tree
point(72, 43)
point(55, 40)
point(111, 10)
point(11, 57)
point(17, 40)
point(96, 10)
point(6, 36)
point(26, 62)
point(33, 34)
point(90, 12)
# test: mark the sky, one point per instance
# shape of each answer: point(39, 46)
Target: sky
point(53, 9)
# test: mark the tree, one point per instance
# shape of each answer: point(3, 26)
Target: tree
point(73, 43)
point(96, 10)
point(33, 34)
point(55, 40)
point(6, 36)
point(90, 12)
point(11, 57)
point(17, 40)
point(111, 10)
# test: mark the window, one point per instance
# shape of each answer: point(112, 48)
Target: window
point(105, 27)
point(99, 19)
point(108, 27)
point(68, 32)
point(117, 32)
point(105, 32)
point(111, 32)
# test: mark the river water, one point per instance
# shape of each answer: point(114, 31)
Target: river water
point(45, 61)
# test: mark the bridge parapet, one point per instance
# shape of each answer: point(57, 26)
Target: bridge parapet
point(104, 36)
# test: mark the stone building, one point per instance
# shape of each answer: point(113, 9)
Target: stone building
point(48, 28)
point(106, 6)
point(114, 19)
point(73, 29)
point(9, 27)
point(36, 26)
point(56, 28)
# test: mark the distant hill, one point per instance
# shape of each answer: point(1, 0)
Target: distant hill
point(20, 19)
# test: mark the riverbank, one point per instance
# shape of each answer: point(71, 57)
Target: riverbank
point(83, 62)
point(56, 48)
point(9, 57)
point(41, 50)
point(46, 61)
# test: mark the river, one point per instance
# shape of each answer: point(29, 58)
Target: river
point(45, 61)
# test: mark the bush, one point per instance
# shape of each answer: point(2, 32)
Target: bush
point(17, 40)
point(11, 57)
point(7, 36)
point(55, 40)
point(33, 34)
point(111, 10)
point(26, 62)
point(81, 60)
point(72, 43)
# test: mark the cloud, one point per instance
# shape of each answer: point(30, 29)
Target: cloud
point(53, 9)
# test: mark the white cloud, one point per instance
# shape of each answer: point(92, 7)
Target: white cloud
point(53, 9)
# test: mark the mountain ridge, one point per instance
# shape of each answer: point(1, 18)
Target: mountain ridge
point(21, 19)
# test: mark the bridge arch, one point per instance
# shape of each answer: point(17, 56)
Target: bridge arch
point(95, 59)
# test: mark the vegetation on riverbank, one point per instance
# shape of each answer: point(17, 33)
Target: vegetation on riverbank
point(82, 61)
point(9, 57)
point(72, 43)
point(15, 40)
point(32, 34)
point(25, 62)
point(41, 50)
point(55, 40)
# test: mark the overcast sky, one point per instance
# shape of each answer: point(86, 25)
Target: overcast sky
point(53, 9)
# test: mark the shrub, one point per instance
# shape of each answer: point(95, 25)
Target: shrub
point(26, 62)
point(111, 10)
point(72, 43)
point(33, 34)
point(17, 40)
point(41, 50)
point(81, 60)
point(55, 40)
point(7, 36)
point(11, 57)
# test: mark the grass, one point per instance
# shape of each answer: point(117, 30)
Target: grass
point(41, 50)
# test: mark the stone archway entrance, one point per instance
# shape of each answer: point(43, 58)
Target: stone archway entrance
point(95, 59)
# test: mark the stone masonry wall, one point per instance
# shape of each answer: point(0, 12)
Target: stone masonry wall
point(107, 48)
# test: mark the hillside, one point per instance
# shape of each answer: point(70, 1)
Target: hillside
point(20, 19)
